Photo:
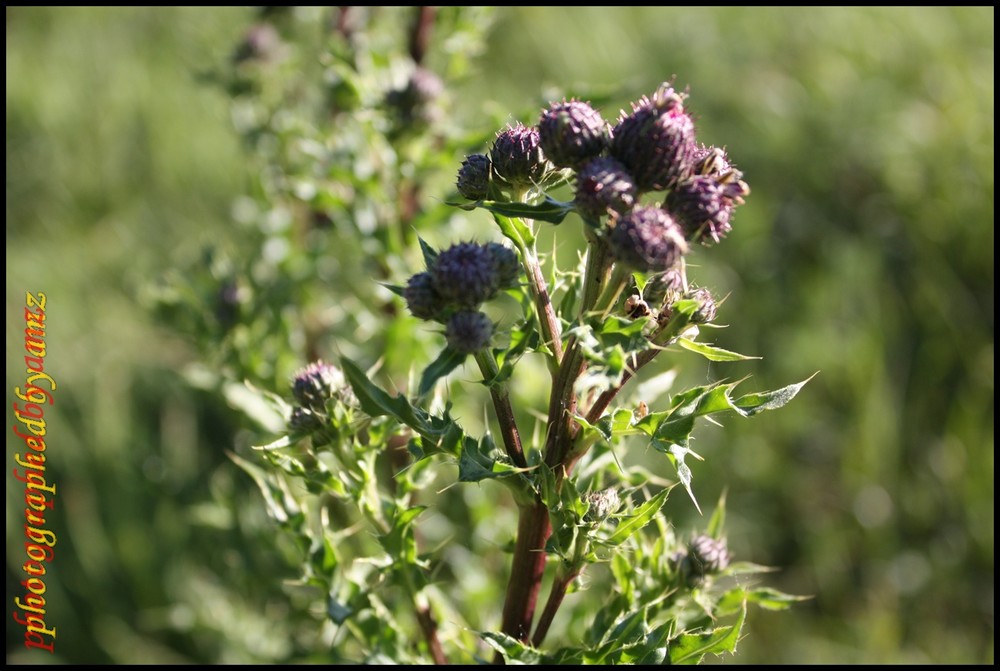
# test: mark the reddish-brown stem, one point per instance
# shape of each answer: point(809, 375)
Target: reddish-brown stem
point(549, 321)
point(420, 34)
point(501, 404)
point(526, 571)
point(604, 400)
point(556, 596)
point(562, 404)
point(428, 625)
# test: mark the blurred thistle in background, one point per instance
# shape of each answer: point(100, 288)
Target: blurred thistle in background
point(867, 135)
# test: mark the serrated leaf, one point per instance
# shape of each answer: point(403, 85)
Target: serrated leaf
point(638, 519)
point(523, 337)
point(752, 404)
point(274, 497)
point(476, 464)
point(447, 361)
point(772, 599)
point(266, 409)
point(284, 441)
point(439, 433)
point(515, 230)
point(549, 210)
point(712, 353)
point(717, 523)
point(692, 648)
point(513, 650)
point(684, 475)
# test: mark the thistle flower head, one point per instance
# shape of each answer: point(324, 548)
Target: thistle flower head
point(656, 142)
point(474, 176)
point(703, 206)
point(317, 383)
point(647, 239)
point(422, 298)
point(711, 162)
point(707, 307)
point(571, 132)
point(517, 157)
point(602, 503)
point(602, 185)
point(303, 421)
point(261, 43)
point(415, 102)
point(468, 331)
point(663, 288)
point(707, 555)
point(465, 274)
point(505, 263)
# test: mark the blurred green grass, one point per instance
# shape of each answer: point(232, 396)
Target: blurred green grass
point(865, 252)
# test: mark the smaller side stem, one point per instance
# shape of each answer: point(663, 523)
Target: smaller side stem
point(547, 318)
point(660, 339)
point(420, 33)
point(556, 595)
point(429, 626)
point(501, 404)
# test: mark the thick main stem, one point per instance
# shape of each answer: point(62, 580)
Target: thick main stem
point(527, 568)
point(534, 527)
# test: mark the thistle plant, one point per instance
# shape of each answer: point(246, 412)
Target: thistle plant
point(389, 494)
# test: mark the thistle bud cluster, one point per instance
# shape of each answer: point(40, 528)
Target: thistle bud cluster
point(456, 283)
point(650, 149)
point(313, 388)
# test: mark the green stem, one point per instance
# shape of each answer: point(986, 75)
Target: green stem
point(620, 277)
point(501, 404)
point(596, 273)
point(547, 318)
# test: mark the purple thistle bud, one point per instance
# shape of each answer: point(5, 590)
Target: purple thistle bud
point(703, 206)
point(317, 383)
point(711, 162)
point(468, 331)
point(602, 503)
point(465, 274)
point(474, 176)
point(572, 132)
point(517, 157)
point(663, 288)
point(656, 141)
point(415, 102)
point(304, 421)
point(422, 298)
point(261, 43)
point(647, 239)
point(707, 555)
point(604, 184)
point(707, 307)
point(506, 263)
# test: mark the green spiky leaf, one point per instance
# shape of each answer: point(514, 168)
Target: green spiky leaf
point(712, 353)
